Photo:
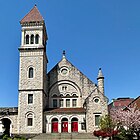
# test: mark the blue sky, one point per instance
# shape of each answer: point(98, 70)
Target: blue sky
point(94, 33)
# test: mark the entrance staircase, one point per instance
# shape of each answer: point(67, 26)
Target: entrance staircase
point(65, 136)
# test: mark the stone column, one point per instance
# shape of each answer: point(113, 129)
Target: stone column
point(59, 127)
point(69, 126)
point(23, 37)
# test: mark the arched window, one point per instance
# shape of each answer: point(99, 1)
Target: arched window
point(30, 119)
point(67, 95)
point(31, 72)
point(74, 95)
point(61, 95)
point(54, 95)
point(32, 39)
point(27, 39)
point(37, 39)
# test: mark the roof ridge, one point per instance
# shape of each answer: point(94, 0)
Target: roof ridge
point(133, 101)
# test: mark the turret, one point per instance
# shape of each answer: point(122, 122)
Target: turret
point(100, 79)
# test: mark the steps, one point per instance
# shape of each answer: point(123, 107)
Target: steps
point(65, 136)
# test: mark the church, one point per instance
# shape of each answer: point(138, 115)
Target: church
point(62, 100)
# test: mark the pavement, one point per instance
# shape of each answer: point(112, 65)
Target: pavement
point(65, 136)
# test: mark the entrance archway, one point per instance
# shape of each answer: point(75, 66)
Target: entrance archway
point(54, 125)
point(74, 125)
point(64, 125)
point(6, 126)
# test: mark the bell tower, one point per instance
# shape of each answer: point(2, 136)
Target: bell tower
point(32, 73)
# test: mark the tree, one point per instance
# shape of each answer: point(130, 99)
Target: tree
point(106, 123)
point(129, 118)
point(107, 128)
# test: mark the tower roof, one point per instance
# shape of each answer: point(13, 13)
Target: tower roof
point(33, 16)
point(100, 74)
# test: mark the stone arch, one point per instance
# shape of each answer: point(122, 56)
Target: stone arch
point(74, 94)
point(6, 117)
point(64, 116)
point(29, 112)
point(6, 125)
point(71, 88)
point(66, 82)
point(74, 119)
point(64, 119)
point(29, 121)
point(54, 95)
point(52, 117)
point(74, 116)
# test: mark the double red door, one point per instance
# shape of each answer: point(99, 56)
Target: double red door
point(74, 126)
point(54, 127)
point(64, 126)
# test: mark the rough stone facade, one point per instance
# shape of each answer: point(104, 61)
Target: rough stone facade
point(76, 103)
point(12, 115)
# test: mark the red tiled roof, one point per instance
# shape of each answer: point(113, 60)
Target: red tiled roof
point(135, 102)
point(66, 110)
point(120, 103)
point(33, 15)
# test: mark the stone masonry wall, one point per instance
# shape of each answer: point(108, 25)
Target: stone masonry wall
point(35, 86)
point(84, 85)
point(13, 119)
point(95, 108)
point(36, 109)
point(31, 59)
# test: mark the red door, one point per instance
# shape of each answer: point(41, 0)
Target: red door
point(54, 127)
point(64, 126)
point(74, 126)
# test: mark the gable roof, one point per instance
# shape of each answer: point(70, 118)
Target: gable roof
point(135, 102)
point(33, 16)
point(99, 92)
point(68, 62)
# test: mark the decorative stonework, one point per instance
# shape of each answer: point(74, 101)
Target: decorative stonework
point(64, 71)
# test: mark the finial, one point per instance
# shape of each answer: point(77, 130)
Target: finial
point(35, 5)
point(64, 53)
point(100, 74)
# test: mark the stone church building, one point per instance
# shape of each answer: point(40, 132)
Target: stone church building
point(61, 100)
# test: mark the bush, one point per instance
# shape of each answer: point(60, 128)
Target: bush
point(5, 137)
point(105, 134)
point(17, 137)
